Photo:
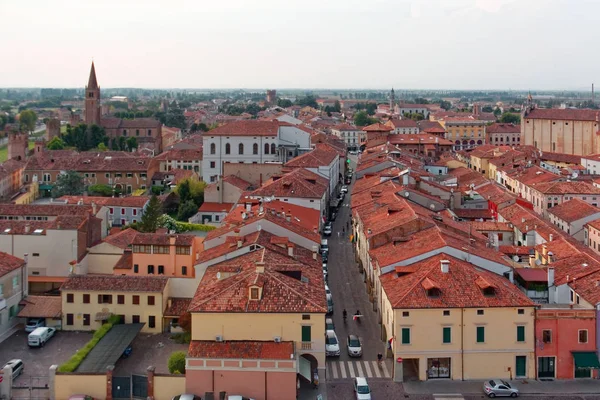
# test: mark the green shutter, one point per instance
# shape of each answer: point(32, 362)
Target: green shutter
point(405, 335)
point(520, 333)
point(306, 337)
point(480, 334)
point(447, 334)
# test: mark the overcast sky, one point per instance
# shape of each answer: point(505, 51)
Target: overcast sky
point(412, 44)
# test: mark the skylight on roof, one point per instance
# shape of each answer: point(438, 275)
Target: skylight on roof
point(7, 230)
point(38, 231)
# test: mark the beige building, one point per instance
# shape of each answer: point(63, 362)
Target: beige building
point(89, 300)
point(464, 132)
point(447, 319)
point(13, 281)
point(567, 131)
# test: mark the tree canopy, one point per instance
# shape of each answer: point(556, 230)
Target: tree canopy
point(509, 118)
point(153, 211)
point(361, 118)
point(68, 184)
point(27, 120)
point(84, 137)
point(56, 143)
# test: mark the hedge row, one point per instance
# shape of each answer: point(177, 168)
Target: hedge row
point(187, 226)
point(73, 363)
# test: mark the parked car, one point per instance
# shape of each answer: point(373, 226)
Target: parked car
point(238, 397)
point(362, 389)
point(324, 246)
point(500, 388)
point(344, 189)
point(34, 323)
point(354, 346)
point(348, 180)
point(16, 366)
point(329, 324)
point(325, 257)
point(327, 291)
point(327, 229)
point(340, 198)
point(127, 352)
point(325, 274)
point(329, 304)
point(187, 397)
point(40, 336)
point(332, 345)
point(334, 215)
point(80, 397)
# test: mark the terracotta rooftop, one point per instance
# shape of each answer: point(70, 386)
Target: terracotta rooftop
point(129, 201)
point(563, 114)
point(163, 239)
point(41, 307)
point(491, 226)
point(215, 207)
point(115, 283)
point(573, 187)
point(88, 162)
point(9, 263)
point(180, 155)
point(43, 209)
point(299, 182)
point(247, 128)
point(237, 182)
point(503, 128)
point(122, 239)
point(178, 306)
point(401, 123)
point(418, 138)
point(322, 155)
point(246, 349)
point(377, 127)
point(461, 287)
point(573, 210)
point(587, 287)
point(532, 274)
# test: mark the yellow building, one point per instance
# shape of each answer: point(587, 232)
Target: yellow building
point(445, 318)
point(464, 132)
point(89, 300)
point(269, 291)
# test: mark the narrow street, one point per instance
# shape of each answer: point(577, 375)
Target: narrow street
point(348, 290)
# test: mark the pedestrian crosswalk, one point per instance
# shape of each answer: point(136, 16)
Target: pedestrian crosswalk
point(448, 396)
point(352, 369)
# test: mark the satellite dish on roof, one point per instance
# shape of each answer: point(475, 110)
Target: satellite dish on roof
point(258, 228)
point(516, 258)
point(575, 175)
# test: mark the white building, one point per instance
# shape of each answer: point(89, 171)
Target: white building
point(251, 142)
point(404, 108)
point(349, 134)
point(403, 126)
point(13, 288)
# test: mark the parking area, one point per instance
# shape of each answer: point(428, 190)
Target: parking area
point(149, 350)
point(37, 361)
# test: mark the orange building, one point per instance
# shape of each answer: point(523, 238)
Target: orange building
point(161, 254)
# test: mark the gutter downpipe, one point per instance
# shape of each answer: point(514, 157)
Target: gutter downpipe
point(462, 345)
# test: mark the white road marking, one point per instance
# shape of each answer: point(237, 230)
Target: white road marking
point(342, 369)
point(351, 370)
point(334, 372)
point(359, 370)
point(368, 370)
point(386, 374)
point(376, 369)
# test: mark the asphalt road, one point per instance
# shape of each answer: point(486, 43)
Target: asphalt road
point(349, 292)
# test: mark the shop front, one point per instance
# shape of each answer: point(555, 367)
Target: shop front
point(438, 368)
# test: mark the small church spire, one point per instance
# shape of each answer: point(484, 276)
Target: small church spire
point(392, 100)
point(92, 83)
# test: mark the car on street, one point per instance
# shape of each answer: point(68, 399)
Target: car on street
point(499, 388)
point(329, 324)
point(324, 246)
point(325, 257)
point(344, 189)
point(332, 345)
point(187, 397)
point(327, 290)
point(353, 152)
point(333, 215)
point(329, 304)
point(327, 229)
point(325, 274)
point(362, 389)
point(16, 366)
point(354, 346)
point(35, 323)
point(340, 197)
point(348, 180)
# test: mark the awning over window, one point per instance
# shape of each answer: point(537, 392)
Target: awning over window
point(586, 359)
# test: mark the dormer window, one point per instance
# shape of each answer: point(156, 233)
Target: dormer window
point(433, 292)
point(486, 287)
point(255, 293)
point(488, 292)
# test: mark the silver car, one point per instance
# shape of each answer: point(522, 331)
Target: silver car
point(500, 388)
point(354, 346)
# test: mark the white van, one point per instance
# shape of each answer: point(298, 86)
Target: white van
point(40, 336)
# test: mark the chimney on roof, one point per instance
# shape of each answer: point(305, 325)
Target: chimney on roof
point(260, 267)
point(314, 251)
point(289, 215)
point(445, 266)
point(27, 228)
point(80, 202)
point(551, 237)
point(169, 302)
point(544, 250)
point(248, 206)
point(94, 207)
point(290, 248)
point(523, 220)
point(239, 242)
point(315, 229)
point(550, 277)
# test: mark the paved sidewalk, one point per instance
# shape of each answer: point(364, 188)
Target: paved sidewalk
point(583, 386)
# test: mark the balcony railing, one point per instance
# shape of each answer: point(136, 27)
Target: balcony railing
point(306, 346)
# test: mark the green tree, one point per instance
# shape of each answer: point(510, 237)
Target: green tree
point(309, 100)
point(152, 213)
point(421, 100)
point(176, 363)
point(132, 143)
point(285, 103)
point(497, 112)
point(27, 120)
point(509, 118)
point(183, 191)
point(191, 189)
point(55, 143)
point(446, 105)
point(69, 183)
point(487, 109)
point(361, 118)
point(371, 108)
point(84, 137)
point(202, 127)
point(102, 147)
point(122, 143)
point(100, 190)
point(253, 109)
point(337, 106)
point(186, 210)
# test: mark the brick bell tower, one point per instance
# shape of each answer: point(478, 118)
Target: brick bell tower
point(92, 99)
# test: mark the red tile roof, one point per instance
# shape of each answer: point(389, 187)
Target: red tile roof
point(129, 201)
point(460, 287)
point(114, 283)
point(587, 287)
point(237, 182)
point(43, 209)
point(377, 127)
point(486, 226)
point(573, 210)
point(472, 214)
point(563, 114)
point(179, 306)
point(574, 187)
point(322, 155)
point(299, 182)
point(122, 239)
point(401, 123)
point(125, 261)
point(246, 349)
point(88, 162)
point(419, 138)
point(41, 307)
point(247, 128)
point(9, 263)
point(283, 290)
point(503, 128)
point(180, 155)
point(163, 239)
point(532, 274)
point(215, 207)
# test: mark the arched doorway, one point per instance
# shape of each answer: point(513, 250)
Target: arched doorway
point(307, 363)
